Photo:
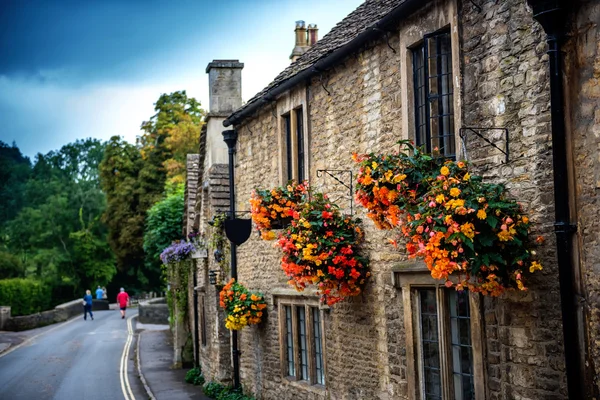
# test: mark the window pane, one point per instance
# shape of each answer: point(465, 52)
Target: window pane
point(432, 383)
point(462, 350)
point(320, 371)
point(288, 144)
point(300, 141)
point(433, 85)
point(303, 346)
point(289, 336)
point(421, 123)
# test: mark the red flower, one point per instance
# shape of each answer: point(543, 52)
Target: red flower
point(327, 215)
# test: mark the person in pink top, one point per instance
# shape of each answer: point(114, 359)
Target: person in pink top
point(123, 300)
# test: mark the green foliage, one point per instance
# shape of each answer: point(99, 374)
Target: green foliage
point(218, 242)
point(134, 179)
point(25, 296)
point(10, 266)
point(55, 232)
point(124, 214)
point(177, 298)
point(14, 172)
point(195, 377)
point(169, 136)
point(163, 226)
point(217, 391)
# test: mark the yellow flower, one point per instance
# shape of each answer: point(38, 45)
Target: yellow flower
point(445, 171)
point(466, 177)
point(388, 175)
point(374, 165)
point(440, 198)
point(306, 224)
point(504, 236)
point(535, 266)
point(268, 235)
point(468, 230)
point(481, 214)
point(454, 192)
point(399, 178)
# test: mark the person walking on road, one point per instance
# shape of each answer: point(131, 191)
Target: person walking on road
point(123, 300)
point(104, 294)
point(99, 293)
point(87, 305)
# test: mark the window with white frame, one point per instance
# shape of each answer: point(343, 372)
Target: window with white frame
point(301, 341)
point(433, 94)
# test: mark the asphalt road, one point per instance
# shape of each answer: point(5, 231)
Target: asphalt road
point(75, 360)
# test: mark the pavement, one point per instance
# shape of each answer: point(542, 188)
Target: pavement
point(155, 351)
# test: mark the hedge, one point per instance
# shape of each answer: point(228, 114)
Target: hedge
point(25, 296)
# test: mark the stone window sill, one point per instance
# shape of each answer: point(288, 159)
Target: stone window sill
point(305, 385)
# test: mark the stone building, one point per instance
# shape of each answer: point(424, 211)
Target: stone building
point(361, 88)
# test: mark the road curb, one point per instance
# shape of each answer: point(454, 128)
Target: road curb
point(139, 367)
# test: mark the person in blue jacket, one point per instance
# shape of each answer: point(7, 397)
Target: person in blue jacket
point(87, 305)
point(99, 293)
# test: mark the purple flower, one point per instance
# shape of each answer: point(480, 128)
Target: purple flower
point(177, 251)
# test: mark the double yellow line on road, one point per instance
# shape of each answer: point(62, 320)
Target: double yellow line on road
point(125, 387)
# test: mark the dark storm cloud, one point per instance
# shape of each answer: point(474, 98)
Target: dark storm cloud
point(92, 39)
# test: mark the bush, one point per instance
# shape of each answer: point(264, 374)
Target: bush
point(25, 296)
point(10, 266)
point(194, 376)
point(217, 391)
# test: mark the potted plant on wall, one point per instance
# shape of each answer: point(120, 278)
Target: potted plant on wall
point(199, 242)
point(177, 264)
point(241, 306)
point(321, 246)
point(468, 232)
point(274, 208)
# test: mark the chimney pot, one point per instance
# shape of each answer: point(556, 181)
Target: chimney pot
point(313, 34)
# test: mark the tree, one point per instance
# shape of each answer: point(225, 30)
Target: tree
point(124, 215)
point(172, 133)
point(61, 211)
point(163, 226)
point(14, 172)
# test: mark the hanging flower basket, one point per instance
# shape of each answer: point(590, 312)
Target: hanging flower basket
point(321, 247)
point(461, 227)
point(274, 209)
point(241, 306)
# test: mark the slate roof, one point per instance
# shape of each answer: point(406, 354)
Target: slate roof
point(345, 31)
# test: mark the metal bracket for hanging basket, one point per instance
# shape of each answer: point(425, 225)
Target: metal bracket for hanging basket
point(336, 174)
point(479, 132)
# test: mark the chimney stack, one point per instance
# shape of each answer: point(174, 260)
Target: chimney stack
point(225, 96)
point(313, 34)
point(302, 41)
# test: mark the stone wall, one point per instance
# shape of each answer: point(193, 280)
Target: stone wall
point(155, 311)
point(60, 313)
point(505, 84)
point(215, 354)
point(583, 121)
point(360, 106)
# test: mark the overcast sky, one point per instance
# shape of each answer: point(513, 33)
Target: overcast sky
point(74, 69)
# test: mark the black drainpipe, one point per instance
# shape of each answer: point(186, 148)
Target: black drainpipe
point(551, 15)
point(230, 137)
